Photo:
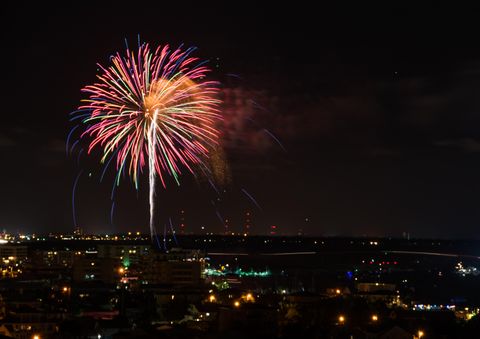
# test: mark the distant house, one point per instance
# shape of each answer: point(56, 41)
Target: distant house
point(374, 292)
point(6, 331)
point(396, 333)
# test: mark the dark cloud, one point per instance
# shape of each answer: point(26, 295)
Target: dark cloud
point(468, 145)
point(6, 141)
point(384, 152)
point(55, 146)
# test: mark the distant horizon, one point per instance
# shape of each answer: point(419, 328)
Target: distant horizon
point(146, 236)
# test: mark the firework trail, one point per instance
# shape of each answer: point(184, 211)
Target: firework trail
point(219, 216)
point(112, 209)
point(251, 198)
point(67, 150)
point(257, 105)
point(151, 168)
point(156, 238)
point(266, 130)
point(173, 231)
point(165, 238)
point(275, 138)
point(79, 156)
point(234, 76)
point(151, 110)
point(74, 190)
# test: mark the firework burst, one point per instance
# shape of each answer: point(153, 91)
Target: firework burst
point(152, 109)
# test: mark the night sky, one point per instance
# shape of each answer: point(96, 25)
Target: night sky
point(377, 111)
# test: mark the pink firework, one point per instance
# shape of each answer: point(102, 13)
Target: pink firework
point(152, 104)
point(152, 109)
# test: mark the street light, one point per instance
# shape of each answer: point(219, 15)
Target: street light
point(420, 334)
point(374, 317)
point(248, 297)
point(341, 319)
point(236, 303)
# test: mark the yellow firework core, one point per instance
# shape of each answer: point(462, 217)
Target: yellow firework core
point(164, 94)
